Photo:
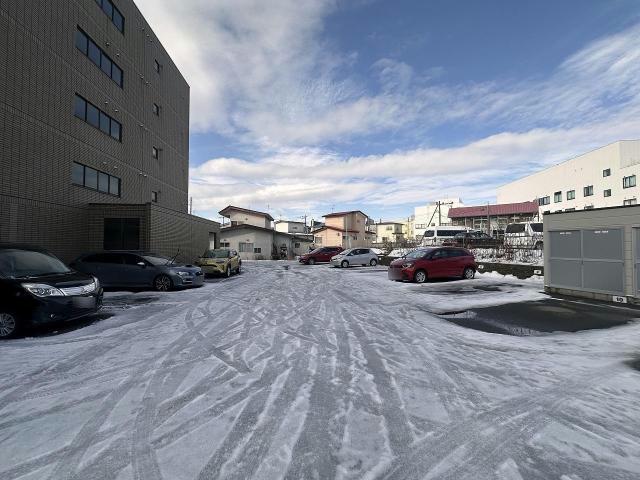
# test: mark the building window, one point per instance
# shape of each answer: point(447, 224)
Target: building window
point(607, 192)
point(606, 173)
point(99, 57)
point(571, 194)
point(245, 247)
point(569, 209)
point(154, 197)
point(155, 152)
point(317, 240)
point(88, 177)
point(296, 245)
point(544, 201)
point(157, 67)
point(628, 182)
point(156, 109)
point(557, 197)
point(588, 207)
point(121, 234)
point(95, 117)
point(224, 244)
point(257, 250)
point(113, 13)
point(588, 191)
point(631, 201)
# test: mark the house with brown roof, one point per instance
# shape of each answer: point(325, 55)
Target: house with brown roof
point(245, 216)
point(250, 233)
point(345, 229)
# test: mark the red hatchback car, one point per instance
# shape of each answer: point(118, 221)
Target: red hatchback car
point(320, 255)
point(438, 262)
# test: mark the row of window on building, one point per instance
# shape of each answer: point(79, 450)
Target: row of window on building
point(113, 13)
point(88, 177)
point(97, 118)
point(91, 178)
point(98, 56)
point(83, 175)
point(627, 182)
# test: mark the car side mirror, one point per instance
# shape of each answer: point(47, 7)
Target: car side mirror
point(141, 264)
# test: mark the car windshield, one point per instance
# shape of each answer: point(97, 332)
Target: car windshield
point(217, 253)
point(419, 253)
point(536, 227)
point(345, 252)
point(156, 260)
point(429, 233)
point(25, 263)
point(515, 228)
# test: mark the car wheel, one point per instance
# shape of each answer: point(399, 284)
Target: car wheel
point(227, 272)
point(163, 283)
point(373, 262)
point(238, 269)
point(312, 261)
point(9, 325)
point(469, 273)
point(420, 276)
point(344, 264)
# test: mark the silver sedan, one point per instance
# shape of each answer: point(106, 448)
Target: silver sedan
point(355, 256)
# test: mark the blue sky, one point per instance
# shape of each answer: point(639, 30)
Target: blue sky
point(307, 106)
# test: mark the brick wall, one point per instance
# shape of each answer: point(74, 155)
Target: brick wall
point(41, 70)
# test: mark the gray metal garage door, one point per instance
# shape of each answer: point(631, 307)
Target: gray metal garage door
point(566, 259)
point(588, 259)
point(603, 260)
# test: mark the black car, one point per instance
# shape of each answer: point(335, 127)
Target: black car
point(475, 239)
point(126, 269)
point(37, 288)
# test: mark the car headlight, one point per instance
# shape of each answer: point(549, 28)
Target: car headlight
point(407, 265)
point(42, 290)
point(183, 274)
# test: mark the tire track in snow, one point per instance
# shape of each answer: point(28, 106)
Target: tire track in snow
point(478, 435)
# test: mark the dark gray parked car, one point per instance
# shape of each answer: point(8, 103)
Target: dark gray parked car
point(134, 269)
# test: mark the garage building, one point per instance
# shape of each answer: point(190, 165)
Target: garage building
point(594, 253)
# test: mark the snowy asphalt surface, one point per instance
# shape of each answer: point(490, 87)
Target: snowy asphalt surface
point(312, 372)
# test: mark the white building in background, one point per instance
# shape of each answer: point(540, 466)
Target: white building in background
point(605, 177)
point(434, 214)
point(287, 226)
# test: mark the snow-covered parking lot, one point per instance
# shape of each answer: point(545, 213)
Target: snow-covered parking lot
point(304, 372)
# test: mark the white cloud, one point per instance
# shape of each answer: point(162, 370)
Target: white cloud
point(260, 72)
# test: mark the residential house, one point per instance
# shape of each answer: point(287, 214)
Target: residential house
point(250, 233)
point(288, 226)
point(389, 232)
point(244, 216)
point(345, 229)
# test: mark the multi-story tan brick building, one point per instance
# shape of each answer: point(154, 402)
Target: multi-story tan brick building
point(94, 132)
point(345, 229)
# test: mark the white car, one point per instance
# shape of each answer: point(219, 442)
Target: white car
point(355, 256)
point(438, 235)
point(525, 235)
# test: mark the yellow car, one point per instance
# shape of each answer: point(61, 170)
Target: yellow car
point(220, 262)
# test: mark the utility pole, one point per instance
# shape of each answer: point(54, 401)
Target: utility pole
point(488, 221)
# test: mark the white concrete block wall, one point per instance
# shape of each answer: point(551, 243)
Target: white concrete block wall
point(622, 158)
